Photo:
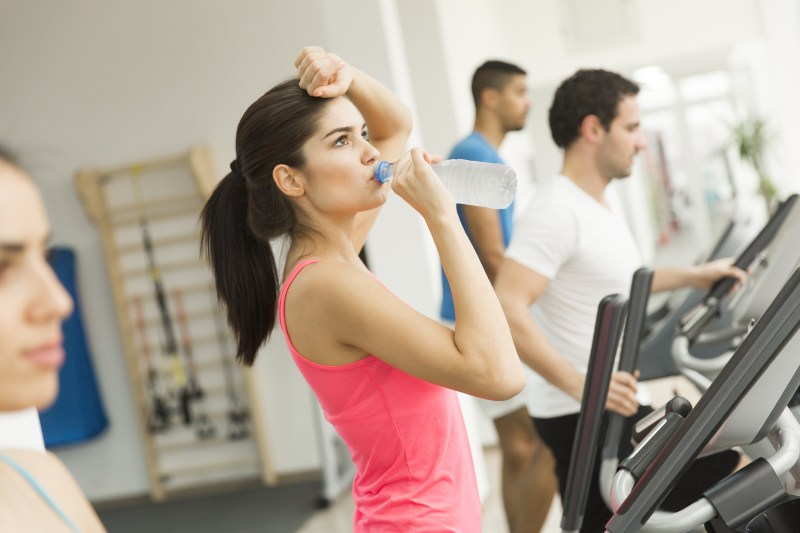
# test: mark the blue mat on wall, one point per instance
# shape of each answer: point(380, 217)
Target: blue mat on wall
point(77, 414)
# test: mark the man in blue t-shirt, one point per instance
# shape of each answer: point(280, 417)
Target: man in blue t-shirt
point(501, 105)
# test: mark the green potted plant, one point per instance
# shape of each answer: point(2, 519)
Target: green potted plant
point(752, 137)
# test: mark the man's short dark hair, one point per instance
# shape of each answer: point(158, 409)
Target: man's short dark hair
point(587, 92)
point(492, 75)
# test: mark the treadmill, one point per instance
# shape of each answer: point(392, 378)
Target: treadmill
point(659, 325)
point(771, 257)
point(745, 404)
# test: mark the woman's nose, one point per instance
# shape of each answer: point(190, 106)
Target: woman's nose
point(371, 154)
point(53, 302)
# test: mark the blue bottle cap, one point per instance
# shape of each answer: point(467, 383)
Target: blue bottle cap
point(383, 171)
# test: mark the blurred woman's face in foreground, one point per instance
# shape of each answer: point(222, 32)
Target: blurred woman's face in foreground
point(33, 302)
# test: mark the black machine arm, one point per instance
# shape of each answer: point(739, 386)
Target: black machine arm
point(653, 432)
point(644, 426)
point(697, 319)
point(629, 353)
point(608, 327)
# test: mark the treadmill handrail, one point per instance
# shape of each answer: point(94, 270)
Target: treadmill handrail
point(761, 241)
point(694, 322)
point(701, 511)
point(608, 327)
point(641, 284)
point(758, 351)
point(684, 359)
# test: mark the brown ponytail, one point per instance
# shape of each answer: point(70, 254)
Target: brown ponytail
point(247, 210)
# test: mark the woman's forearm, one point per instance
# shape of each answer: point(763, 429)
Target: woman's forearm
point(386, 116)
point(481, 330)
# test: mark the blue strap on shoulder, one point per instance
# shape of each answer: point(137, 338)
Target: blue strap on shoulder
point(46, 497)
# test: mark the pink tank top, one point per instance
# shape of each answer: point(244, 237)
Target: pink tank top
point(414, 470)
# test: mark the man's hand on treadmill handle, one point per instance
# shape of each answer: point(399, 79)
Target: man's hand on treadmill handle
point(622, 393)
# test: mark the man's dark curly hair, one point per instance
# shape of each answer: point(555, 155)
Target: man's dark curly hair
point(587, 92)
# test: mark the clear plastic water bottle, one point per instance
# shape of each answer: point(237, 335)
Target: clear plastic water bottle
point(470, 182)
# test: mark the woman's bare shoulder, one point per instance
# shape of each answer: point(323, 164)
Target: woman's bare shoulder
point(54, 479)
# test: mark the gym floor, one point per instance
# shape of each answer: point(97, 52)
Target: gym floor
point(281, 509)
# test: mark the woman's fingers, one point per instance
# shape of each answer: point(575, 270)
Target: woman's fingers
point(321, 73)
point(433, 158)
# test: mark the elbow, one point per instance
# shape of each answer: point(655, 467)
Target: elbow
point(513, 386)
point(407, 121)
point(506, 384)
point(508, 392)
point(402, 121)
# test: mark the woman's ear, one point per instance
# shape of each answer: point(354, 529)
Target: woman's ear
point(288, 180)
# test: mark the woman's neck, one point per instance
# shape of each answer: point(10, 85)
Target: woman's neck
point(313, 244)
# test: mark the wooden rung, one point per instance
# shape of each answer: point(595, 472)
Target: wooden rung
point(137, 169)
point(175, 213)
point(202, 365)
point(191, 315)
point(169, 267)
point(189, 289)
point(204, 339)
point(195, 443)
point(206, 467)
point(213, 363)
point(157, 243)
point(217, 390)
point(139, 209)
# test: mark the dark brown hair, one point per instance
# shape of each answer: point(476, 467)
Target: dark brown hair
point(247, 210)
point(587, 92)
point(492, 75)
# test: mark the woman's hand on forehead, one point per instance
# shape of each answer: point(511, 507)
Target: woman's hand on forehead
point(321, 73)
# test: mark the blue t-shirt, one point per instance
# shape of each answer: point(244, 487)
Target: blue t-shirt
point(474, 147)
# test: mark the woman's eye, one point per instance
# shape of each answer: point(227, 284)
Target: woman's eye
point(341, 141)
point(365, 135)
point(4, 268)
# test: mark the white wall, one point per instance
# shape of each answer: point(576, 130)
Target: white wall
point(669, 32)
point(782, 105)
point(675, 29)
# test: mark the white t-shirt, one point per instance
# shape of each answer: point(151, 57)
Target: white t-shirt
point(587, 252)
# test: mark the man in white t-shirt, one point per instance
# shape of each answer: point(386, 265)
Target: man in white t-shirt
point(571, 247)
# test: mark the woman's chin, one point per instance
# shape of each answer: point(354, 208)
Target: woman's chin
point(380, 198)
point(38, 401)
point(40, 395)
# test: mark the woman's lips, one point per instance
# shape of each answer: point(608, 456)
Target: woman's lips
point(47, 356)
